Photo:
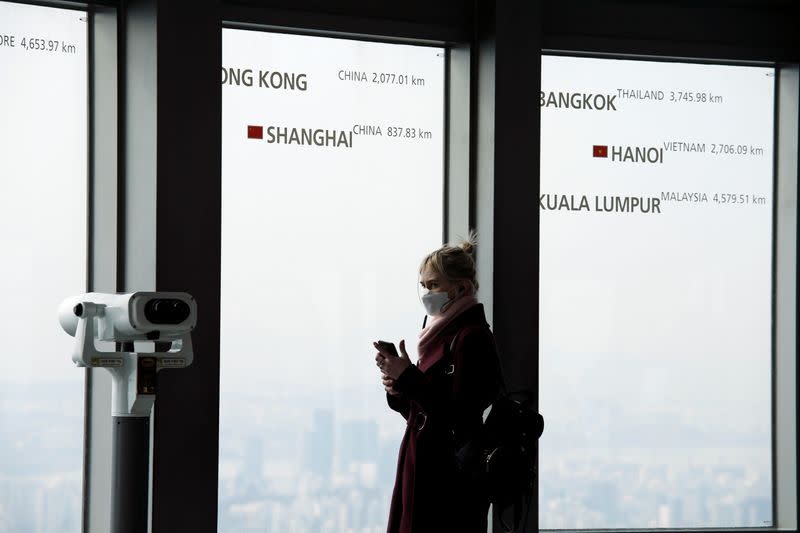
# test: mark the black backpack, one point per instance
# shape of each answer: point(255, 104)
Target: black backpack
point(502, 458)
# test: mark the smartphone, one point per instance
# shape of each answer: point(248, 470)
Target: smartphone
point(388, 347)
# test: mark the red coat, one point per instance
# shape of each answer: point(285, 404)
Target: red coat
point(443, 408)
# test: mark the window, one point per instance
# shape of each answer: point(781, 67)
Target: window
point(656, 294)
point(333, 169)
point(43, 180)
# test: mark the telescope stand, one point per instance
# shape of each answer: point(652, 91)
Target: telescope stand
point(130, 474)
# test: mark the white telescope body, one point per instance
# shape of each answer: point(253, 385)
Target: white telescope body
point(167, 317)
point(136, 316)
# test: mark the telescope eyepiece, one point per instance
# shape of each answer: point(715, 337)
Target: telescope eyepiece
point(166, 311)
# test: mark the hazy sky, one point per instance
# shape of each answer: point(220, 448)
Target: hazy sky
point(321, 244)
point(42, 189)
point(649, 314)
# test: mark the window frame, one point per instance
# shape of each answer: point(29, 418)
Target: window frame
point(455, 186)
point(198, 385)
point(785, 421)
point(105, 206)
point(622, 30)
point(784, 488)
point(101, 207)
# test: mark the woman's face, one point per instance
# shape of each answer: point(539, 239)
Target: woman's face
point(435, 282)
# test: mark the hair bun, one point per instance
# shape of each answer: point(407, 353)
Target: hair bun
point(469, 244)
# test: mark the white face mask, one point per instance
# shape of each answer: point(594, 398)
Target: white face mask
point(434, 302)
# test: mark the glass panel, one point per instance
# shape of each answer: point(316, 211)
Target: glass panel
point(43, 179)
point(333, 157)
point(656, 275)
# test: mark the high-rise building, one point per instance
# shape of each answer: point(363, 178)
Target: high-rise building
point(319, 444)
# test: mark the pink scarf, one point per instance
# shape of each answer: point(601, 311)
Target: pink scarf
point(429, 336)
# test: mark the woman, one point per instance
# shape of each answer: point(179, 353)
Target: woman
point(442, 399)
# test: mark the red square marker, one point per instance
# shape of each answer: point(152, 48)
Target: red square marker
point(600, 150)
point(255, 132)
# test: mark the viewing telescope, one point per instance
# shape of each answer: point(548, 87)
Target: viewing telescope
point(152, 320)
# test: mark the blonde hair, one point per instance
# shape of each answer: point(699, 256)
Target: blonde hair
point(454, 262)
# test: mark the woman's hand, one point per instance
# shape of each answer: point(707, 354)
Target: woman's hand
point(392, 366)
point(388, 385)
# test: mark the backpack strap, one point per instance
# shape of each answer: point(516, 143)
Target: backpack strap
point(503, 390)
point(452, 346)
point(458, 334)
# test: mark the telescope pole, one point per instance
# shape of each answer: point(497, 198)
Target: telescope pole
point(130, 475)
point(133, 402)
